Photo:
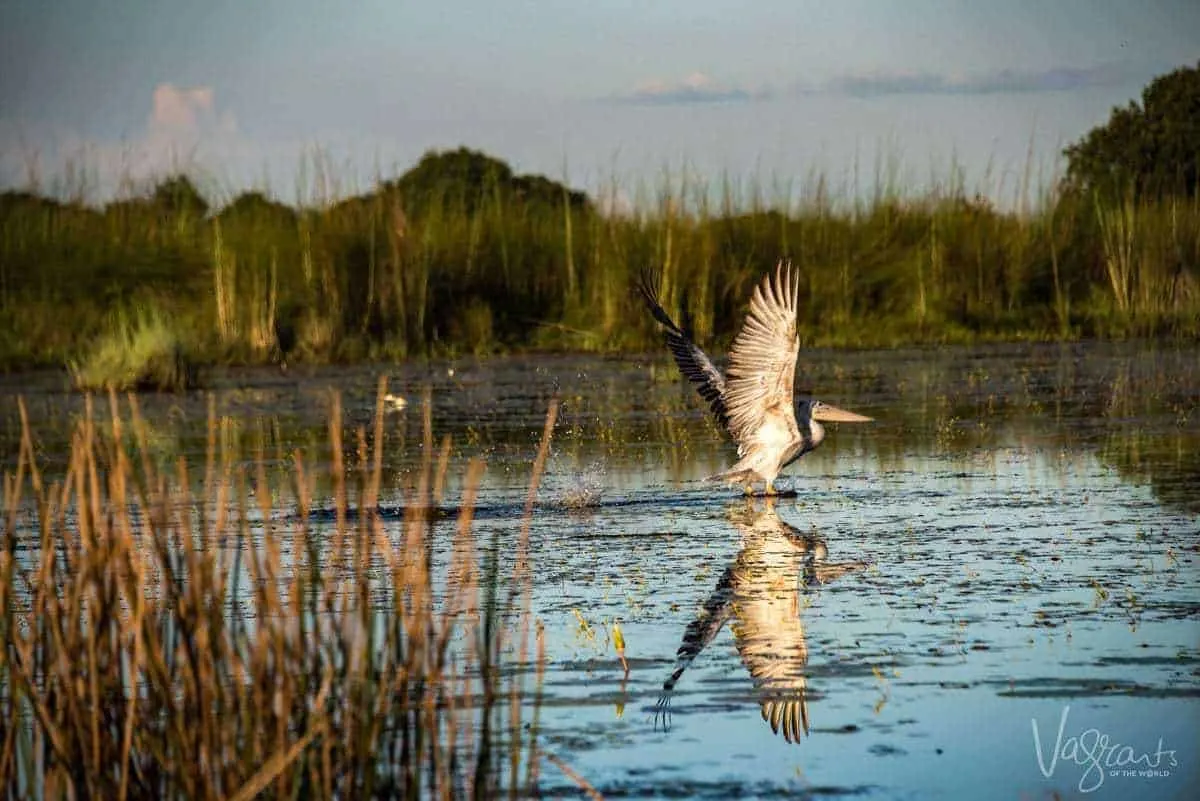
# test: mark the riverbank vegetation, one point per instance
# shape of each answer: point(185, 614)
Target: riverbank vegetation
point(461, 255)
point(139, 353)
point(170, 636)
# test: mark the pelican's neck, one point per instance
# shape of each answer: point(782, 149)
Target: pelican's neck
point(812, 431)
point(816, 432)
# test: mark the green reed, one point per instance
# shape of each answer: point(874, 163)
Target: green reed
point(496, 262)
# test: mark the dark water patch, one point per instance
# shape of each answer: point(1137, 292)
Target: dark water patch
point(723, 790)
point(1175, 660)
point(1167, 610)
point(1082, 687)
point(515, 511)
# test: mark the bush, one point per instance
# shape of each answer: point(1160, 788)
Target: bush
point(473, 327)
point(144, 353)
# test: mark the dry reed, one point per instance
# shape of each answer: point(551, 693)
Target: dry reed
point(161, 638)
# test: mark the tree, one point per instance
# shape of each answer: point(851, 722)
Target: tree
point(465, 177)
point(1150, 149)
point(178, 195)
point(255, 208)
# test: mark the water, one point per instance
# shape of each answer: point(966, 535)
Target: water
point(1011, 548)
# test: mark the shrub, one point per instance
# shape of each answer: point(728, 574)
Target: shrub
point(143, 353)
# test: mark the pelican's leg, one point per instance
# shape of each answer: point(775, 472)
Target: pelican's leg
point(770, 488)
point(748, 489)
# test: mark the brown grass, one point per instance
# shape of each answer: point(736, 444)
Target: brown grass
point(165, 638)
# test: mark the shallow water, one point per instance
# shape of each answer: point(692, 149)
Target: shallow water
point(1013, 546)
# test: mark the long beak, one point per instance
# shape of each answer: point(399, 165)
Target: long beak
point(832, 414)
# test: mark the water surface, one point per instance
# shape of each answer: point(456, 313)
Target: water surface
point(1011, 547)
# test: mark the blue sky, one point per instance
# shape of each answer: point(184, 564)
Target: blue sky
point(238, 91)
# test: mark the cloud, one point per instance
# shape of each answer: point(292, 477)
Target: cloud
point(180, 108)
point(183, 121)
point(1056, 79)
point(180, 111)
point(184, 130)
point(695, 88)
point(699, 88)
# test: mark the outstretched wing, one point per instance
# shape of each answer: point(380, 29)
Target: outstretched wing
point(762, 365)
point(693, 362)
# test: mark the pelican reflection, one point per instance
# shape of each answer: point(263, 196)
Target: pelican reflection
point(760, 594)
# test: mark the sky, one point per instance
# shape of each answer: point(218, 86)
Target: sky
point(309, 98)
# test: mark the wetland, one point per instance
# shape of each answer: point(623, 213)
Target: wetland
point(991, 591)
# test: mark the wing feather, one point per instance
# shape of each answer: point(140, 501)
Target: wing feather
point(762, 364)
point(691, 360)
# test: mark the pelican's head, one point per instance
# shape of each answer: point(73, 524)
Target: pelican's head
point(809, 410)
point(811, 413)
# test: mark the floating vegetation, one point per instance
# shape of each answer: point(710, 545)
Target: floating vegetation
point(618, 639)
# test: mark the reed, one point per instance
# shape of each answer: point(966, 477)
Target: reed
point(168, 635)
point(497, 264)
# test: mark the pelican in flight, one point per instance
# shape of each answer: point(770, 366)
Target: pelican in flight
point(755, 401)
point(759, 595)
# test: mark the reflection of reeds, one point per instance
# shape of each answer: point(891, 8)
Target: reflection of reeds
point(165, 643)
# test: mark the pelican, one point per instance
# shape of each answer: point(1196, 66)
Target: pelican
point(755, 402)
point(759, 593)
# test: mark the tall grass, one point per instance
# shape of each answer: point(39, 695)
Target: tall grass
point(142, 351)
point(493, 265)
point(171, 636)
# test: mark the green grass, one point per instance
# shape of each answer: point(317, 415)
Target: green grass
point(144, 352)
point(481, 261)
